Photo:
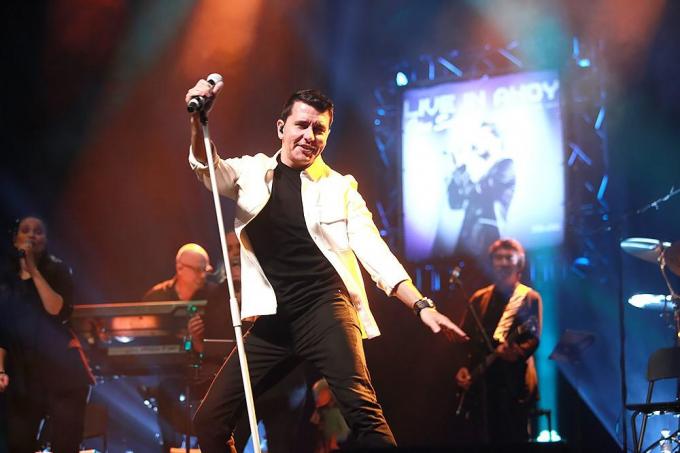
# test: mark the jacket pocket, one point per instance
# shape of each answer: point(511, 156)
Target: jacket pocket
point(333, 225)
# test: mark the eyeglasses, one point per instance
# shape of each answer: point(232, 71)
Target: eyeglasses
point(510, 257)
point(197, 269)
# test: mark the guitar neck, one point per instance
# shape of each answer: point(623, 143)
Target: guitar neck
point(491, 358)
point(481, 368)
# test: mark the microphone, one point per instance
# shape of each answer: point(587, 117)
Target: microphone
point(454, 278)
point(200, 103)
point(21, 253)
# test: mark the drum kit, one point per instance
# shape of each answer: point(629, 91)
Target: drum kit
point(667, 257)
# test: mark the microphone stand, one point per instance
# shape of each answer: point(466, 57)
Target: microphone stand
point(456, 281)
point(233, 302)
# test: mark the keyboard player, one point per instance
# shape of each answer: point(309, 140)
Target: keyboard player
point(190, 282)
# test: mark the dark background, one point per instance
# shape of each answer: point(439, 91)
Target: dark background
point(95, 139)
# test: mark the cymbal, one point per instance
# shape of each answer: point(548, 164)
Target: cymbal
point(654, 302)
point(672, 257)
point(644, 248)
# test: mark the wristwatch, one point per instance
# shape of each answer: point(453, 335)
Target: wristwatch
point(420, 304)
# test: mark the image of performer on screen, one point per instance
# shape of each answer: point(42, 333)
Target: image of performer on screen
point(504, 324)
point(303, 229)
point(482, 184)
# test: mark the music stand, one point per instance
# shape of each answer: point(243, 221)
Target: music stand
point(569, 350)
point(572, 345)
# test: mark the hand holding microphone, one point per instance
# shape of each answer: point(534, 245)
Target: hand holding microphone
point(201, 96)
point(199, 100)
point(26, 256)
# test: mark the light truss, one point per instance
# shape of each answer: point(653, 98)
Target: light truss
point(584, 121)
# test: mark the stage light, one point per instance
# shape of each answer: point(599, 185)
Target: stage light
point(584, 62)
point(650, 301)
point(582, 266)
point(401, 79)
point(582, 261)
point(603, 187)
point(548, 436)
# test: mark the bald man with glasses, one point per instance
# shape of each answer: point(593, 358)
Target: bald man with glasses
point(190, 282)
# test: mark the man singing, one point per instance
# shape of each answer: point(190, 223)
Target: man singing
point(302, 227)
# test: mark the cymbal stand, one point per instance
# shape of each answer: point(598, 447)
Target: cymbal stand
point(612, 226)
point(675, 300)
point(674, 297)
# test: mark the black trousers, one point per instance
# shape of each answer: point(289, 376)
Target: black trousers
point(328, 336)
point(66, 411)
point(500, 417)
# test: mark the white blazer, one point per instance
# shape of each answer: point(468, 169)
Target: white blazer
point(337, 220)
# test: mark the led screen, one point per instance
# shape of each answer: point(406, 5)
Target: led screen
point(482, 159)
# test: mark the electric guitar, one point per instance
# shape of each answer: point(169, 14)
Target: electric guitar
point(528, 326)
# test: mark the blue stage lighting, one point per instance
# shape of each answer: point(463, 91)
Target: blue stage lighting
point(547, 436)
point(401, 79)
point(582, 261)
point(658, 302)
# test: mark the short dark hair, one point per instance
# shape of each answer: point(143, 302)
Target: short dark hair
point(315, 98)
point(511, 244)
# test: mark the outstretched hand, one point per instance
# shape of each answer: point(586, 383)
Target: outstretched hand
point(437, 321)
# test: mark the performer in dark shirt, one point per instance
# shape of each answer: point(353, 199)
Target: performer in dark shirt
point(498, 401)
point(483, 185)
point(302, 226)
point(43, 372)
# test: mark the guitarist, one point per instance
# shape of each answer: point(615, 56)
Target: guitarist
point(497, 399)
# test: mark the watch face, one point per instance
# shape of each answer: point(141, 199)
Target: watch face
point(424, 303)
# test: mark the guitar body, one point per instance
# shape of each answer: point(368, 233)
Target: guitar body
point(494, 379)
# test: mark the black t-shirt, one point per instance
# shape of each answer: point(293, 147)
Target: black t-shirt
point(165, 290)
point(40, 348)
point(299, 273)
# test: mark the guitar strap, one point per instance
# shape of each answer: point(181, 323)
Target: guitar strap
point(510, 313)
